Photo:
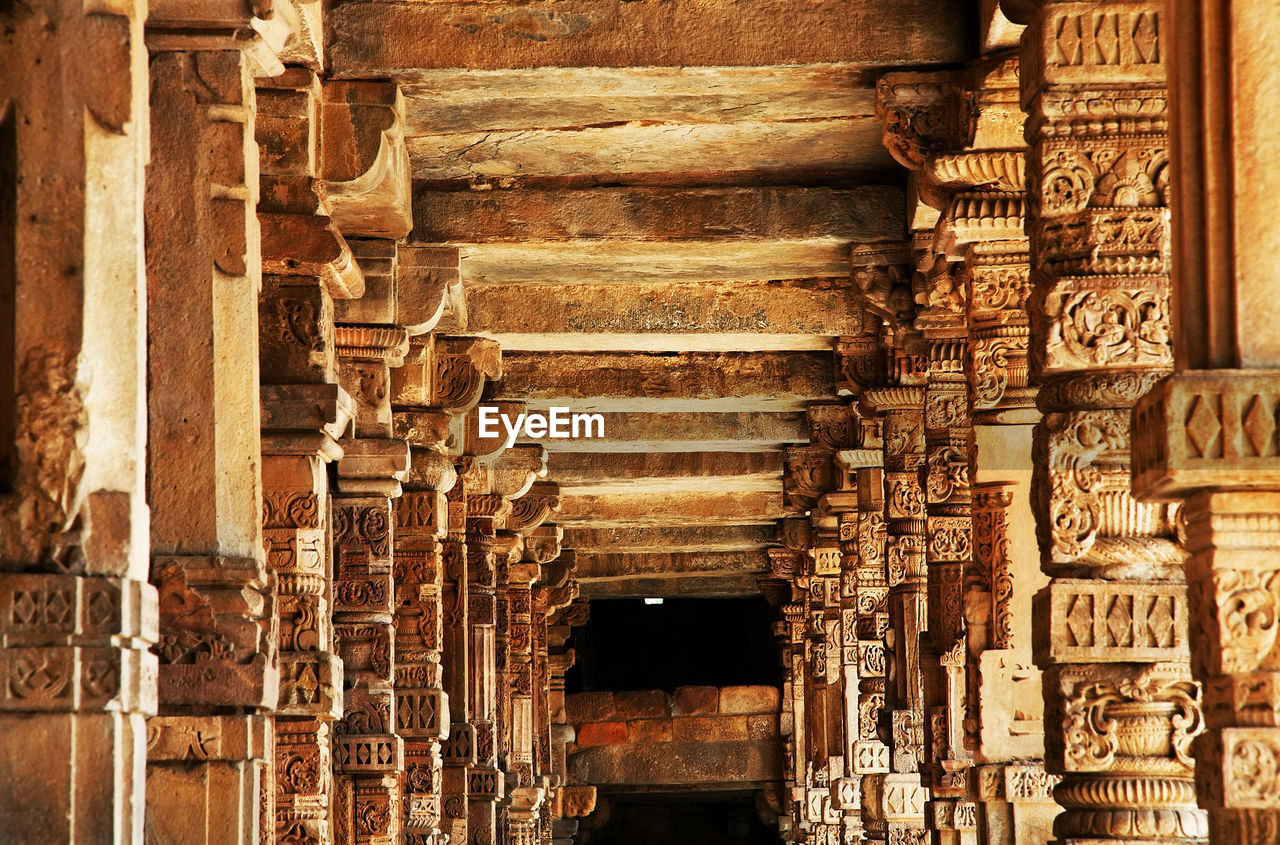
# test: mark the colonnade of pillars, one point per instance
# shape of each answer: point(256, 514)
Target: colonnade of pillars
point(1076, 334)
point(261, 582)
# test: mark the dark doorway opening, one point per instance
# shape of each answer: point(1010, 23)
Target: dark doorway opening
point(630, 645)
point(665, 819)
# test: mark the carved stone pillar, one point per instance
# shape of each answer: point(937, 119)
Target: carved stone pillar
point(307, 265)
point(1206, 435)
point(422, 707)
point(76, 615)
point(1120, 706)
point(440, 383)
point(217, 619)
point(902, 408)
point(459, 751)
point(484, 777)
point(368, 753)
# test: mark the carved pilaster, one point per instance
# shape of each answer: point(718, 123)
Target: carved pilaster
point(217, 646)
point(1109, 627)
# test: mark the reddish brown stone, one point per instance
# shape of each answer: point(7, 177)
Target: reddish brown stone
point(649, 730)
point(589, 707)
point(641, 704)
point(709, 728)
point(696, 701)
point(601, 733)
point(749, 700)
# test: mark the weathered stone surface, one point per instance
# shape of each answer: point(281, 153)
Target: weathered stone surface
point(735, 431)
point(596, 565)
point(641, 704)
point(659, 214)
point(719, 728)
point(649, 730)
point(684, 316)
point(653, 509)
point(696, 701)
point(461, 100)
point(377, 38)
point(657, 383)
point(589, 706)
point(601, 733)
point(727, 763)
point(724, 538)
point(605, 474)
point(755, 699)
point(676, 586)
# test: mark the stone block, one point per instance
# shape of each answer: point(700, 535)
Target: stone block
point(755, 699)
point(642, 704)
point(602, 733)
point(696, 701)
point(709, 728)
point(649, 730)
point(589, 707)
point(762, 726)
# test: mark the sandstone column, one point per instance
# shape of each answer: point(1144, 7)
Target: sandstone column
point(959, 134)
point(1120, 706)
point(216, 648)
point(307, 264)
point(76, 613)
point(1206, 435)
point(422, 708)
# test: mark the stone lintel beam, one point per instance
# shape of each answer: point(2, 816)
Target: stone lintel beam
point(603, 565)
point(640, 472)
point(462, 100)
point(658, 509)
point(720, 213)
point(734, 763)
point(679, 538)
point(742, 431)
point(642, 152)
point(665, 316)
point(725, 586)
point(373, 38)
point(634, 261)
point(690, 381)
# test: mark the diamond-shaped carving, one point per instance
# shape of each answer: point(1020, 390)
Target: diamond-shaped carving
point(1258, 426)
point(1203, 427)
point(1120, 622)
point(1160, 621)
point(1080, 620)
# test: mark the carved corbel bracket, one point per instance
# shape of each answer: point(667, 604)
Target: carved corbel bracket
point(532, 509)
point(882, 276)
point(515, 471)
point(832, 425)
point(365, 160)
point(406, 286)
point(447, 373)
point(808, 473)
point(264, 30)
point(923, 113)
point(542, 543)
